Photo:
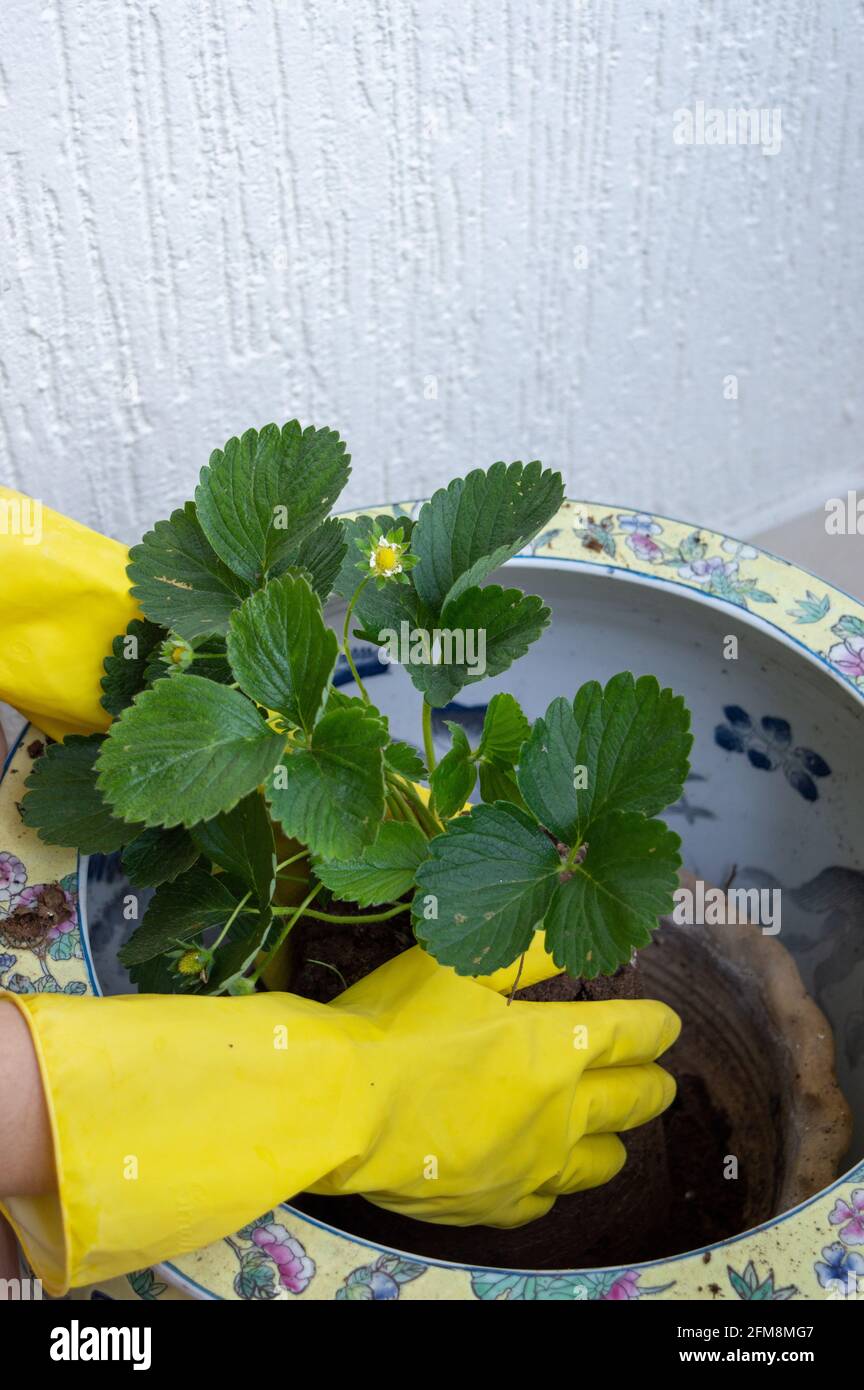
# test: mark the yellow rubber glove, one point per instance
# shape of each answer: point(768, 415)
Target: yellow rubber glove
point(176, 1120)
point(63, 596)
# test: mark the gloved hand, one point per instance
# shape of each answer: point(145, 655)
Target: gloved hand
point(63, 597)
point(176, 1120)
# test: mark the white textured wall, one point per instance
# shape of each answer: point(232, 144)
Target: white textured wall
point(218, 214)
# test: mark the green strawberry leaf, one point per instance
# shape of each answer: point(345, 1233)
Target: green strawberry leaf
point(505, 729)
point(159, 856)
point(241, 842)
point(320, 556)
point(385, 615)
point(280, 650)
point(499, 784)
point(471, 527)
point(180, 581)
point(383, 872)
point(177, 912)
point(186, 750)
point(484, 889)
point(404, 759)
point(453, 779)
point(612, 902)
point(264, 493)
point(155, 976)
point(330, 795)
point(64, 802)
point(126, 668)
point(486, 631)
point(628, 745)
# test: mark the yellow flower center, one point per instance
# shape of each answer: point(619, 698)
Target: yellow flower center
point(387, 556)
point(177, 655)
point(189, 964)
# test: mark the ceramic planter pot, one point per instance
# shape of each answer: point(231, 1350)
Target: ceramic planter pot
point(771, 662)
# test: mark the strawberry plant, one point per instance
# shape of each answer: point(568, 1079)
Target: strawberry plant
point(252, 793)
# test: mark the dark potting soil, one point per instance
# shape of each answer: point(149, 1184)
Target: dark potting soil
point(670, 1196)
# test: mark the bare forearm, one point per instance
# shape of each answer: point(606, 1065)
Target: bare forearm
point(26, 1159)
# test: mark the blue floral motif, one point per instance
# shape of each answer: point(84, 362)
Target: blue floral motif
point(381, 1281)
point(770, 746)
point(839, 1270)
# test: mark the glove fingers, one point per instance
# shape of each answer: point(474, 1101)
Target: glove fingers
point(520, 1211)
point(620, 1098)
point(615, 1032)
point(596, 1159)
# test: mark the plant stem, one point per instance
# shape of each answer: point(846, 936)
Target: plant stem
point(345, 636)
point(428, 742)
point(325, 965)
point(573, 857)
point(400, 807)
point(515, 984)
point(293, 860)
point(231, 920)
point(340, 919)
point(296, 914)
point(426, 818)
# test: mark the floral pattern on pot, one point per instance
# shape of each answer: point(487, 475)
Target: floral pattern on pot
point(145, 1285)
point(380, 1281)
point(37, 944)
point(770, 747)
point(805, 1250)
point(273, 1260)
point(602, 1286)
point(749, 1286)
point(848, 653)
point(722, 572)
point(840, 1270)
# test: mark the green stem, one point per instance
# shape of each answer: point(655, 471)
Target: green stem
point(570, 861)
point(345, 637)
point(296, 914)
point(293, 860)
point(231, 920)
point(427, 820)
point(428, 743)
point(211, 656)
point(401, 808)
point(338, 919)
